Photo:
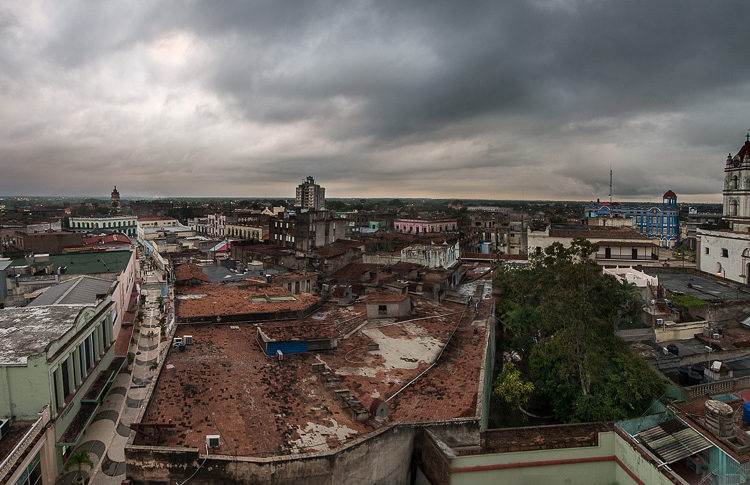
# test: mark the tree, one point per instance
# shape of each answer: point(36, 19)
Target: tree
point(78, 459)
point(561, 313)
point(511, 388)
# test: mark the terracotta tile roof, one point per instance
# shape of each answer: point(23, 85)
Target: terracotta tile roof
point(491, 257)
point(293, 276)
point(329, 252)
point(189, 271)
point(385, 298)
point(435, 277)
point(516, 257)
point(210, 300)
point(108, 239)
point(282, 332)
point(352, 272)
point(627, 243)
point(403, 267)
point(598, 232)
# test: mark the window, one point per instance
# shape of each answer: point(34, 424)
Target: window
point(724, 253)
point(707, 250)
point(382, 309)
point(33, 473)
point(65, 380)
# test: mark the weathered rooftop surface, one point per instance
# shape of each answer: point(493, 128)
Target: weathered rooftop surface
point(261, 406)
point(81, 290)
point(85, 263)
point(596, 232)
point(28, 331)
point(209, 300)
point(699, 286)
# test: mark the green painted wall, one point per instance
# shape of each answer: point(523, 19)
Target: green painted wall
point(589, 473)
point(636, 463)
point(596, 473)
point(24, 390)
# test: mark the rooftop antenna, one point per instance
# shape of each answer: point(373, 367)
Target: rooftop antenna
point(610, 182)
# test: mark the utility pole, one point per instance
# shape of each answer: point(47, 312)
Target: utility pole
point(610, 183)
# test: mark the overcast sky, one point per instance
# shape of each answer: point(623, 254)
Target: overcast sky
point(447, 99)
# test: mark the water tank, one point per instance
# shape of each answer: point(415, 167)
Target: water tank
point(746, 412)
point(719, 418)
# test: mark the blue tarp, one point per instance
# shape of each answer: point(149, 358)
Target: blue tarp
point(286, 347)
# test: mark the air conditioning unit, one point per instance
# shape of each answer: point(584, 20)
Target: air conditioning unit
point(716, 336)
point(660, 321)
point(213, 441)
point(188, 339)
point(177, 341)
point(4, 427)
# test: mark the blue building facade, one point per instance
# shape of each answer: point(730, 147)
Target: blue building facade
point(660, 221)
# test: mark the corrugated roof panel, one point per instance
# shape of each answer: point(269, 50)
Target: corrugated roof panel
point(673, 440)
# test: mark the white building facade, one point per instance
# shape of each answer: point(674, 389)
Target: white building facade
point(124, 224)
point(726, 252)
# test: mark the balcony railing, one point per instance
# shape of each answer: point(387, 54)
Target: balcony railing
point(27, 439)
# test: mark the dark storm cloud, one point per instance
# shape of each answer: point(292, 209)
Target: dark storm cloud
point(444, 99)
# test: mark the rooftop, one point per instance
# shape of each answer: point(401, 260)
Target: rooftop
point(699, 287)
point(81, 290)
point(693, 413)
point(598, 232)
point(217, 273)
point(154, 230)
point(154, 219)
point(189, 271)
point(385, 298)
point(28, 331)
point(107, 239)
point(87, 262)
point(261, 406)
point(210, 300)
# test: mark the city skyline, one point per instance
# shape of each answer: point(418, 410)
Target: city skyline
point(477, 100)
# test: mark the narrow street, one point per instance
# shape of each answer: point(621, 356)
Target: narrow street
point(105, 438)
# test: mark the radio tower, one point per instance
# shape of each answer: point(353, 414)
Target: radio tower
point(610, 183)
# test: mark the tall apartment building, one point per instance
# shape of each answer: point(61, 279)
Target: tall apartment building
point(310, 195)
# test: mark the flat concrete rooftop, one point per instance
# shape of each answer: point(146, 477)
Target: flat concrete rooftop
point(28, 331)
point(703, 288)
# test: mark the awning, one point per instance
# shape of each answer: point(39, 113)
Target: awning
point(673, 440)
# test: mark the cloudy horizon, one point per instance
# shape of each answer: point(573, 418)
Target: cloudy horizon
point(492, 100)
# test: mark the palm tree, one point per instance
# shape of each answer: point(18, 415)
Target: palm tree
point(78, 459)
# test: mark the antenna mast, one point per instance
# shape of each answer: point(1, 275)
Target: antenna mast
point(610, 182)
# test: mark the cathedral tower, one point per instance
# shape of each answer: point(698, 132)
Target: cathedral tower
point(737, 189)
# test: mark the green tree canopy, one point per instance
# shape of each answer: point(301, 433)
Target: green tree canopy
point(561, 313)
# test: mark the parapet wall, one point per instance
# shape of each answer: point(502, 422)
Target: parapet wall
point(382, 457)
